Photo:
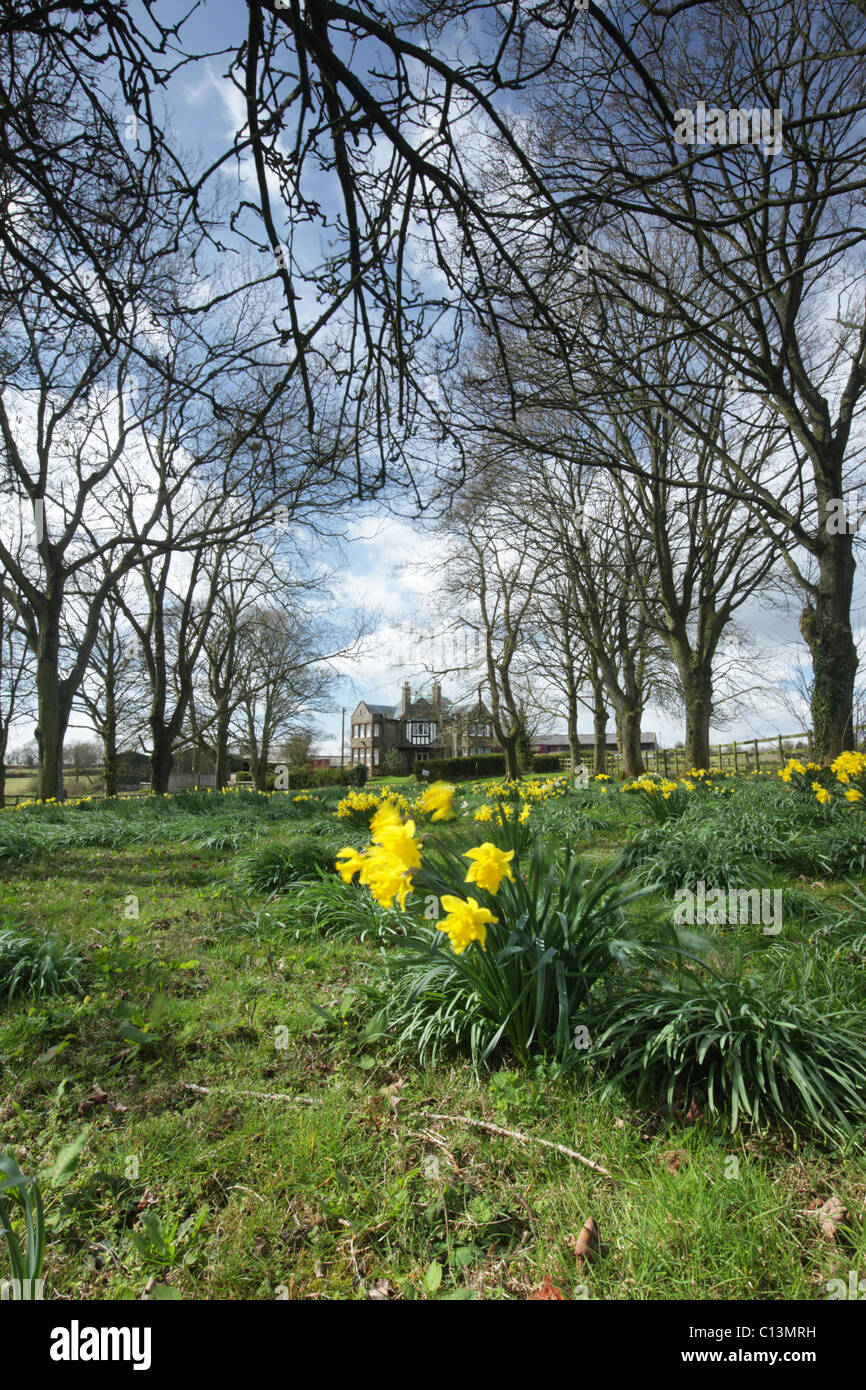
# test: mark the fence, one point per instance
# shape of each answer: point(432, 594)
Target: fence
point(740, 755)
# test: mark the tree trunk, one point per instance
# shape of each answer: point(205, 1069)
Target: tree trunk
point(51, 725)
point(573, 737)
point(629, 723)
point(599, 725)
point(222, 747)
point(826, 628)
point(109, 728)
point(698, 697)
point(109, 757)
point(512, 761)
point(3, 771)
point(161, 762)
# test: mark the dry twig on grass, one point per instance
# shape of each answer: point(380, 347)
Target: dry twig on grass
point(521, 1138)
point(254, 1095)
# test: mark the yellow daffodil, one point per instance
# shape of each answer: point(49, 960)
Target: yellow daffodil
point(387, 815)
point(490, 865)
point(352, 863)
point(437, 798)
point(465, 922)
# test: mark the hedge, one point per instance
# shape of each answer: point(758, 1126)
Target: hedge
point(302, 777)
point(485, 765)
point(547, 762)
point(461, 769)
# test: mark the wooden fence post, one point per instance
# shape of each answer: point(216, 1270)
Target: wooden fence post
point(781, 752)
point(665, 760)
point(757, 758)
point(736, 767)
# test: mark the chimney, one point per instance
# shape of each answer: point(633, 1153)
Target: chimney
point(406, 699)
point(437, 695)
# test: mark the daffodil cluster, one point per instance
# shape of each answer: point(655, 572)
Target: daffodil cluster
point(356, 806)
point(466, 920)
point(847, 768)
point(386, 866)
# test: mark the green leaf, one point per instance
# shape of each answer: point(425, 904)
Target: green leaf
point(64, 1165)
point(133, 1034)
point(433, 1278)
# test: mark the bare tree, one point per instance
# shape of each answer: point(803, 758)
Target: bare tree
point(749, 156)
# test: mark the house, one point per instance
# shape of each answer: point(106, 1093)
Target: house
point(558, 743)
point(418, 729)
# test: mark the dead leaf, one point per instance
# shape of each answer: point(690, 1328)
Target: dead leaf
point(380, 1289)
point(674, 1159)
point(830, 1216)
point(619, 1124)
point(585, 1246)
point(97, 1097)
point(547, 1290)
point(693, 1114)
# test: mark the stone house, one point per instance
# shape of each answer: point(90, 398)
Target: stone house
point(419, 728)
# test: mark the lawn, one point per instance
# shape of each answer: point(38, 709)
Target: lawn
point(266, 1110)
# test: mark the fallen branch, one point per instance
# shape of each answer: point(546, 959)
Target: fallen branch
point(522, 1138)
point(255, 1095)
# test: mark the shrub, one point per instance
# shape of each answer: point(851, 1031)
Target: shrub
point(336, 909)
point(274, 866)
point(36, 963)
point(460, 769)
point(746, 1049)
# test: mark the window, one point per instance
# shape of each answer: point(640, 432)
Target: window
point(420, 731)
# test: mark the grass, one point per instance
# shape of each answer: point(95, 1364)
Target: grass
point(350, 1186)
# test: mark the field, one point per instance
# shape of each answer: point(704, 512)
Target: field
point(274, 1083)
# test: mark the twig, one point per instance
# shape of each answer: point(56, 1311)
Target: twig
point(522, 1138)
point(256, 1095)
